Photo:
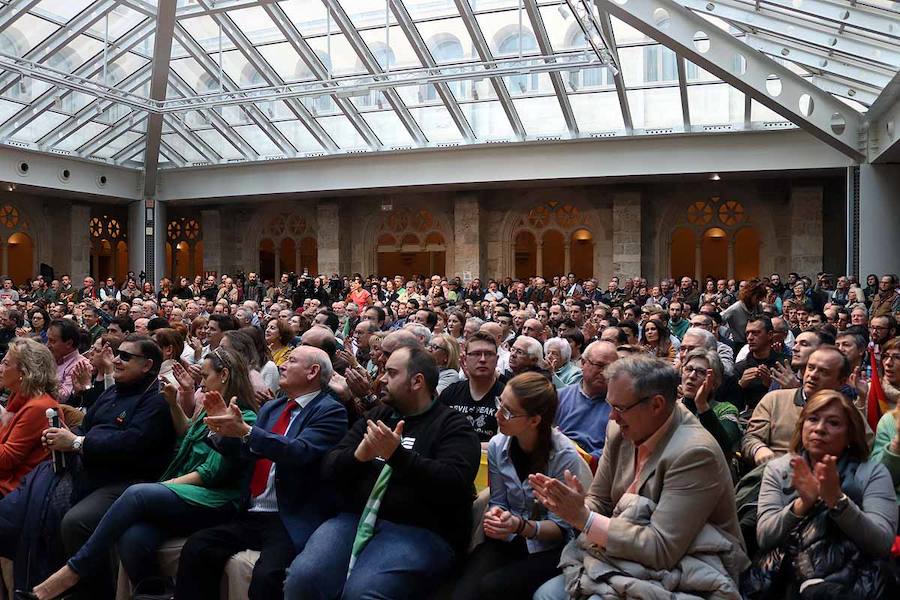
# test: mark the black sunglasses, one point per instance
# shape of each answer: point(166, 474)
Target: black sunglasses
point(127, 356)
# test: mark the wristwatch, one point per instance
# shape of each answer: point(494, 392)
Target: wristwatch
point(77, 443)
point(840, 505)
point(245, 439)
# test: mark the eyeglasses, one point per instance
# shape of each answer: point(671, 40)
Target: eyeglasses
point(518, 351)
point(435, 347)
point(506, 415)
point(599, 365)
point(701, 371)
point(621, 410)
point(127, 356)
point(893, 356)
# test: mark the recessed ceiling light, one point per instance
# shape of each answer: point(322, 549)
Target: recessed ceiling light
point(715, 177)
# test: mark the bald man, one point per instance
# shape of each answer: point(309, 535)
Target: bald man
point(282, 511)
point(583, 412)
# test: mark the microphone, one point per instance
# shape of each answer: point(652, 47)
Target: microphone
point(59, 458)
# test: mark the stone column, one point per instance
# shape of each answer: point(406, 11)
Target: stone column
point(467, 248)
point(539, 261)
point(136, 237)
point(211, 227)
point(806, 230)
point(329, 237)
point(730, 258)
point(698, 259)
point(80, 265)
point(879, 219)
point(627, 234)
point(4, 250)
point(567, 260)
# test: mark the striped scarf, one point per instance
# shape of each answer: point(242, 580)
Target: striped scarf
point(366, 528)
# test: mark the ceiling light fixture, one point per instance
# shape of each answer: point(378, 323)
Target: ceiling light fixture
point(714, 177)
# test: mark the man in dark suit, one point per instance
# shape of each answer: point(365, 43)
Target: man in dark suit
point(286, 499)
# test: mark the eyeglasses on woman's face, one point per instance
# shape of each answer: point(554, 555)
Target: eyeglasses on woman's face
point(506, 415)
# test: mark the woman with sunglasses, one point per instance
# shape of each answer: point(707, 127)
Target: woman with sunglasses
point(524, 541)
point(701, 375)
point(200, 488)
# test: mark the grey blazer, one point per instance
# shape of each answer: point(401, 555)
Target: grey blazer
point(688, 479)
point(871, 525)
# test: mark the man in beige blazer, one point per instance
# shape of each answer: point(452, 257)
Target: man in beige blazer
point(657, 449)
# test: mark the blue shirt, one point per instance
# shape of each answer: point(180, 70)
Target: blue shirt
point(583, 419)
point(510, 493)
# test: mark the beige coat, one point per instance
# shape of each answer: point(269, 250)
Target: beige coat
point(686, 477)
point(772, 424)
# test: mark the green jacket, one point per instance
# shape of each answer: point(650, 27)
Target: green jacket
point(224, 478)
point(567, 374)
point(881, 449)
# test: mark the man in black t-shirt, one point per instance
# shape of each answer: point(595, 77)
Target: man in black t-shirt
point(754, 373)
point(478, 396)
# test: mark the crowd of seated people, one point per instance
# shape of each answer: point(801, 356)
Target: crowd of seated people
point(375, 437)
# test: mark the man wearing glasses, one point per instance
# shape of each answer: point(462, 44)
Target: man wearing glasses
point(583, 411)
point(126, 437)
point(477, 397)
point(657, 450)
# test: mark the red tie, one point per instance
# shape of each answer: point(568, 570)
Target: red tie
point(264, 465)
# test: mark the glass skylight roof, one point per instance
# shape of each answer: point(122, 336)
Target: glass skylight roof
point(266, 79)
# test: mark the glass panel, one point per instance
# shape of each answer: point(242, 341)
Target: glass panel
point(343, 133)
point(367, 13)
point(488, 120)
point(256, 25)
point(220, 144)
point(715, 104)
point(399, 56)
point(762, 114)
point(562, 28)
point(429, 9)
point(61, 9)
point(597, 112)
point(286, 62)
point(39, 127)
point(448, 40)
point(258, 140)
point(655, 107)
point(541, 116)
point(437, 124)
point(299, 136)
point(389, 128)
point(26, 32)
point(626, 34)
point(80, 136)
point(116, 146)
point(343, 59)
point(529, 85)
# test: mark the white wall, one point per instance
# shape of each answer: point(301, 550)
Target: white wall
point(879, 219)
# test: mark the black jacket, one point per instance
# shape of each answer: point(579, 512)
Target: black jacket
point(432, 485)
point(128, 436)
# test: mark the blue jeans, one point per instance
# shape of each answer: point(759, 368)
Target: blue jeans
point(555, 589)
point(140, 521)
point(400, 561)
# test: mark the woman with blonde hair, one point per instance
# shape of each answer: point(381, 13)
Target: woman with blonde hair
point(827, 515)
point(445, 350)
point(28, 371)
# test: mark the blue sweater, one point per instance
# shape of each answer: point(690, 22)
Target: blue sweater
point(583, 419)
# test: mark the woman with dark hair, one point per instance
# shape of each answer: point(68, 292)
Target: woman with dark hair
point(456, 323)
point(241, 342)
point(827, 516)
point(655, 340)
point(268, 370)
point(278, 337)
point(183, 289)
point(40, 322)
point(737, 315)
point(28, 371)
point(871, 289)
point(524, 541)
point(200, 488)
point(147, 292)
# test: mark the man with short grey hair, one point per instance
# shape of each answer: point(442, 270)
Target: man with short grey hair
point(525, 355)
point(658, 451)
point(725, 352)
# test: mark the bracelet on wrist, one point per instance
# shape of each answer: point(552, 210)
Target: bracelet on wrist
point(521, 526)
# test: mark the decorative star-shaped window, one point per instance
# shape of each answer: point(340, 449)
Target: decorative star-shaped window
point(539, 216)
point(731, 212)
point(567, 215)
point(700, 213)
point(95, 227)
point(192, 230)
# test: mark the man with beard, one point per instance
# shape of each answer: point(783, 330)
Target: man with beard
point(411, 465)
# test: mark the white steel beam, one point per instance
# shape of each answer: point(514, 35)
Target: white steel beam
point(700, 154)
point(618, 77)
point(840, 13)
point(883, 123)
point(122, 126)
point(543, 40)
point(218, 6)
point(312, 61)
point(371, 64)
point(484, 52)
point(15, 9)
point(159, 83)
point(735, 63)
point(683, 94)
point(744, 17)
point(425, 57)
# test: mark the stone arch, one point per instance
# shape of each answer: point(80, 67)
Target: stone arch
point(289, 238)
point(420, 242)
point(730, 212)
point(108, 233)
point(184, 248)
point(566, 217)
point(18, 243)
